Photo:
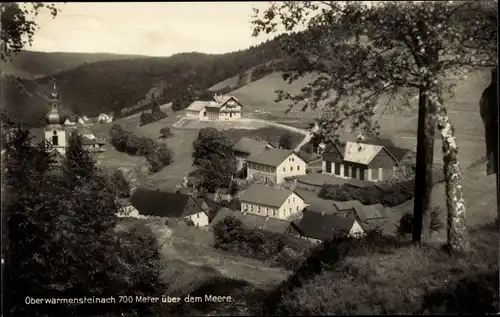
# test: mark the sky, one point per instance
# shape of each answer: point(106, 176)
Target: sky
point(148, 28)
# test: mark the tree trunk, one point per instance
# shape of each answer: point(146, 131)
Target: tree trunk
point(423, 174)
point(458, 238)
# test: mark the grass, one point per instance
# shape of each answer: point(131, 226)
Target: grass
point(391, 279)
point(269, 134)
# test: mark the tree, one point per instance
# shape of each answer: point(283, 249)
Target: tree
point(47, 214)
point(388, 48)
point(165, 133)
point(79, 164)
point(214, 158)
point(184, 99)
point(18, 25)
point(285, 141)
point(121, 184)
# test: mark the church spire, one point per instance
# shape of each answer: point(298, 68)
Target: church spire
point(54, 116)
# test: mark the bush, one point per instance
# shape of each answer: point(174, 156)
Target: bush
point(147, 118)
point(165, 133)
point(391, 195)
point(231, 235)
point(406, 223)
point(158, 155)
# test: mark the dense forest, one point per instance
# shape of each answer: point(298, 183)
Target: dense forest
point(112, 86)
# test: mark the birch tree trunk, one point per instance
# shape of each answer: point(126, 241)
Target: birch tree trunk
point(458, 238)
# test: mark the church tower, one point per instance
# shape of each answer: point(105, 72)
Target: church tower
point(55, 131)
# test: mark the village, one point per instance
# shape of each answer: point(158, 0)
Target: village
point(249, 158)
point(280, 189)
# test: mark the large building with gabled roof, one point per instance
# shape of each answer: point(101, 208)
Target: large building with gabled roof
point(273, 166)
point(220, 108)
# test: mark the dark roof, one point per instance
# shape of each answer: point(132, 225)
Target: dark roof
point(265, 195)
point(398, 152)
point(347, 205)
point(252, 221)
point(316, 203)
point(271, 156)
point(163, 204)
point(250, 146)
point(323, 226)
point(369, 212)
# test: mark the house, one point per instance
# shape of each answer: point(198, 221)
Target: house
point(319, 226)
point(104, 118)
point(251, 221)
point(270, 201)
point(170, 205)
point(93, 145)
point(246, 147)
point(406, 157)
point(274, 165)
point(128, 211)
point(220, 108)
point(360, 161)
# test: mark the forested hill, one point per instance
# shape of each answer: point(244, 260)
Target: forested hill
point(31, 65)
point(110, 86)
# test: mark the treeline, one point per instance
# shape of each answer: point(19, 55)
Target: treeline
point(107, 86)
point(157, 154)
point(60, 239)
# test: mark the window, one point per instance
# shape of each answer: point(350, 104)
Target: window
point(298, 167)
point(328, 167)
point(55, 139)
point(362, 174)
point(291, 168)
point(251, 208)
point(337, 169)
point(374, 174)
point(354, 172)
point(293, 159)
point(290, 211)
point(284, 169)
point(197, 215)
point(293, 199)
point(258, 209)
point(288, 200)
point(274, 212)
point(297, 208)
point(346, 170)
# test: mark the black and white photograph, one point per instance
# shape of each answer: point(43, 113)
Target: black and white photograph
point(242, 158)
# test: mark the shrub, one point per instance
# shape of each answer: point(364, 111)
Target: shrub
point(150, 117)
point(165, 133)
point(391, 195)
point(406, 223)
point(158, 155)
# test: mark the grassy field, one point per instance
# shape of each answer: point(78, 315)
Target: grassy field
point(398, 280)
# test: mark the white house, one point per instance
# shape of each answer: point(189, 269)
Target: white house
point(269, 201)
point(272, 165)
point(319, 226)
point(104, 118)
point(220, 108)
point(170, 205)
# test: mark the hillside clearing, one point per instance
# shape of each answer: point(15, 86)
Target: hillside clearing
point(193, 246)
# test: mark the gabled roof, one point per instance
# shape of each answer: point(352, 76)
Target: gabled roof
point(252, 221)
point(222, 100)
point(250, 146)
point(398, 152)
point(323, 226)
point(265, 195)
point(370, 212)
point(361, 153)
point(197, 105)
point(346, 205)
point(163, 204)
point(271, 156)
